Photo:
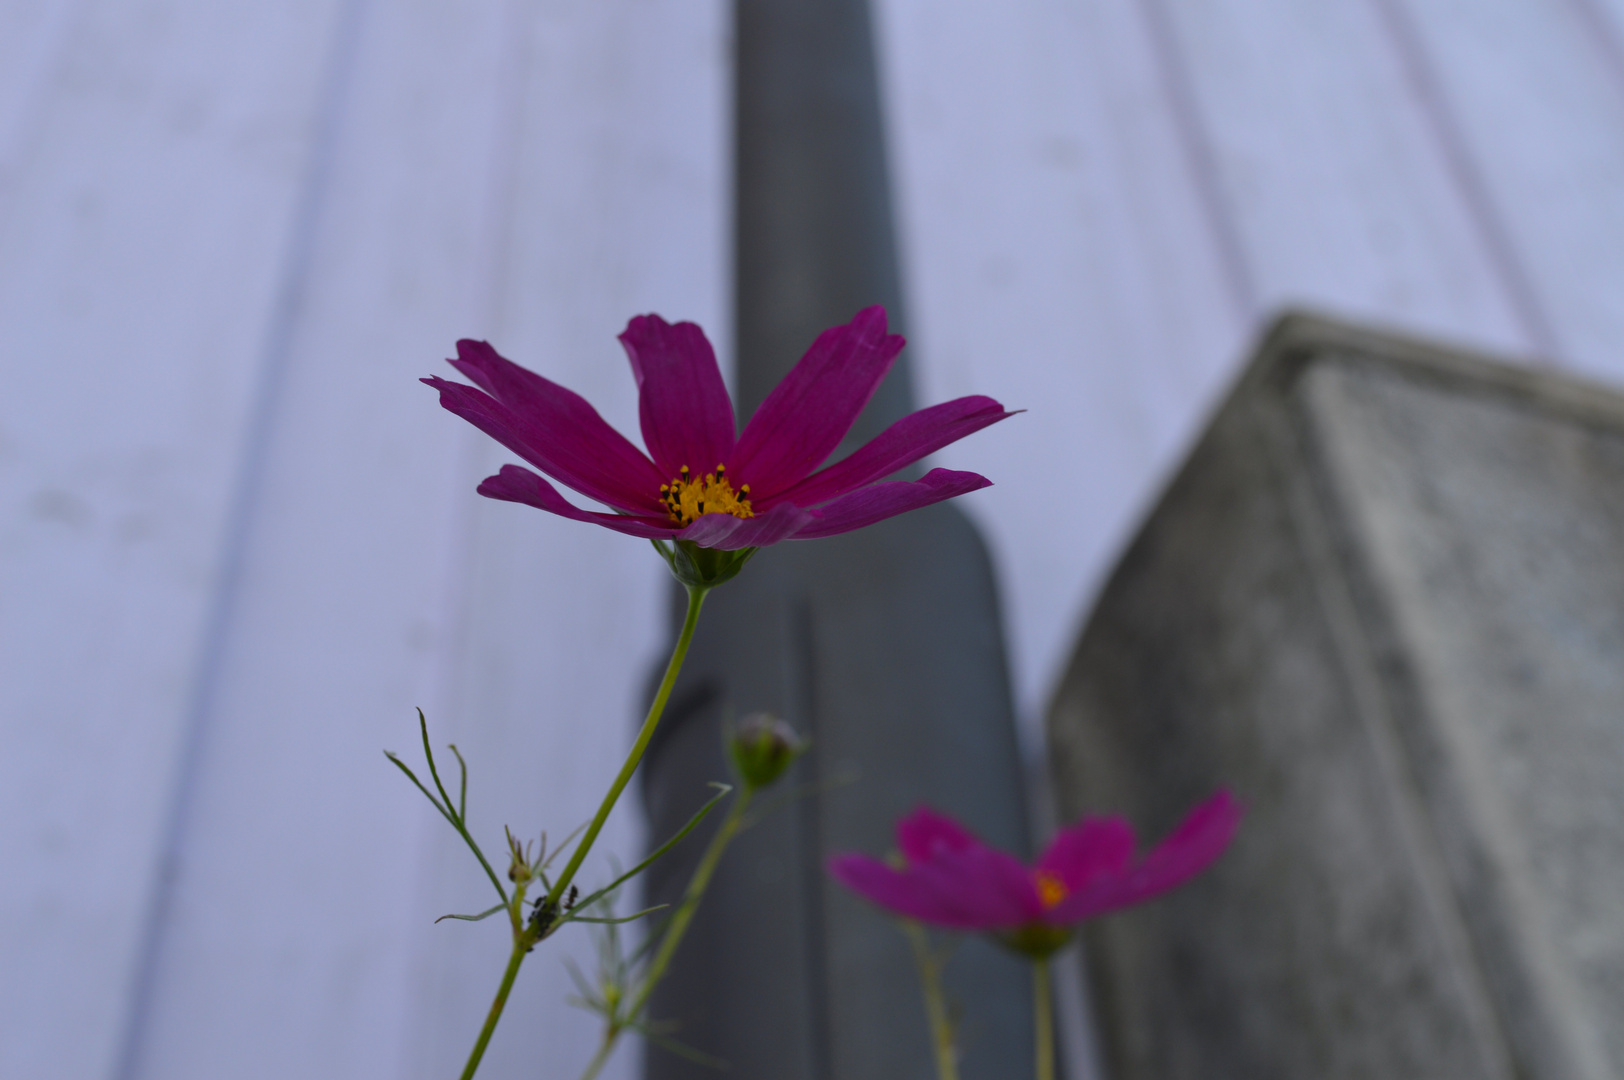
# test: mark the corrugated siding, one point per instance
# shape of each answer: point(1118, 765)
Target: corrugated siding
point(238, 542)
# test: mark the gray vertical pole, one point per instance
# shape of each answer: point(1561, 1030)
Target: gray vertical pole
point(883, 645)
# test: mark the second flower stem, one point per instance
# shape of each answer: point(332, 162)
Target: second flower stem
point(675, 929)
point(1043, 1008)
point(691, 897)
point(943, 1041)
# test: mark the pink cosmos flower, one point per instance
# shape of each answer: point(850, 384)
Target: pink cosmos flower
point(700, 481)
point(954, 880)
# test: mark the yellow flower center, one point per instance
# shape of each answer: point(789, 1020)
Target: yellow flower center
point(1051, 890)
point(687, 497)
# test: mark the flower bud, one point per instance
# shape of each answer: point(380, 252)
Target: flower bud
point(762, 747)
point(519, 869)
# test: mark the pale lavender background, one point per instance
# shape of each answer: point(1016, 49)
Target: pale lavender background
point(238, 542)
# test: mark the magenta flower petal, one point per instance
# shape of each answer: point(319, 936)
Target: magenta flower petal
point(1089, 850)
point(966, 884)
point(891, 889)
point(804, 418)
point(953, 879)
point(925, 833)
point(682, 402)
point(554, 429)
point(730, 533)
point(988, 889)
point(1192, 847)
point(510, 429)
point(518, 484)
point(898, 446)
point(974, 889)
point(687, 422)
point(880, 501)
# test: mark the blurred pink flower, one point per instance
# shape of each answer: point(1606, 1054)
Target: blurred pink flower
point(705, 484)
point(952, 879)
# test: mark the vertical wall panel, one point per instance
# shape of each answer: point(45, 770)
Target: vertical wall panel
point(296, 852)
point(144, 224)
point(1102, 199)
point(1539, 106)
point(1058, 258)
point(1339, 187)
point(1606, 17)
point(507, 171)
point(618, 206)
point(33, 38)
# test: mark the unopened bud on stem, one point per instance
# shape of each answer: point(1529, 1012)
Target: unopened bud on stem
point(762, 747)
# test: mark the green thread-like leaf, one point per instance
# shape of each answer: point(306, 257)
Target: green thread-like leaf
point(401, 765)
point(462, 794)
point(693, 823)
point(474, 918)
point(567, 841)
point(572, 917)
point(458, 822)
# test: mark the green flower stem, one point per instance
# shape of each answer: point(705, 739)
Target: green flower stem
point(691, 897)
point(696, 600)
point(526, 935)
point(675, 929)
point(595, 1066)
point(1043, 1006)
point(520, 948)
point(930, 981)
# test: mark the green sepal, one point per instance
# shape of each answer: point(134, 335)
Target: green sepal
point(1037, 940)
point(702, 567)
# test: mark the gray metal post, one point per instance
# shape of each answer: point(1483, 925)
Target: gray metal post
point(884, 645)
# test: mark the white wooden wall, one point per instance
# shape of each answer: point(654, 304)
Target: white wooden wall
point(241, 541)
point(238, 541)
point(1104, 199)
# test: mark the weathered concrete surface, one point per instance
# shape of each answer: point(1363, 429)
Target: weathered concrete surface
point(1384, 602)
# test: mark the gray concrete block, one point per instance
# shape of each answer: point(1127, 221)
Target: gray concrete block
point(1384, 602)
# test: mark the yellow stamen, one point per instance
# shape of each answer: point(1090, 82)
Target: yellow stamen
point(686, 498)
point(1051, 890)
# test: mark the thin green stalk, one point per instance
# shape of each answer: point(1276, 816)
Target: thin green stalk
point(1043, 1006)
point(942, 1041)
point(526, 935)
point(519, 950)
point(595, 1066)
point(690, 899)
point(674, 930)
point(696, 599)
